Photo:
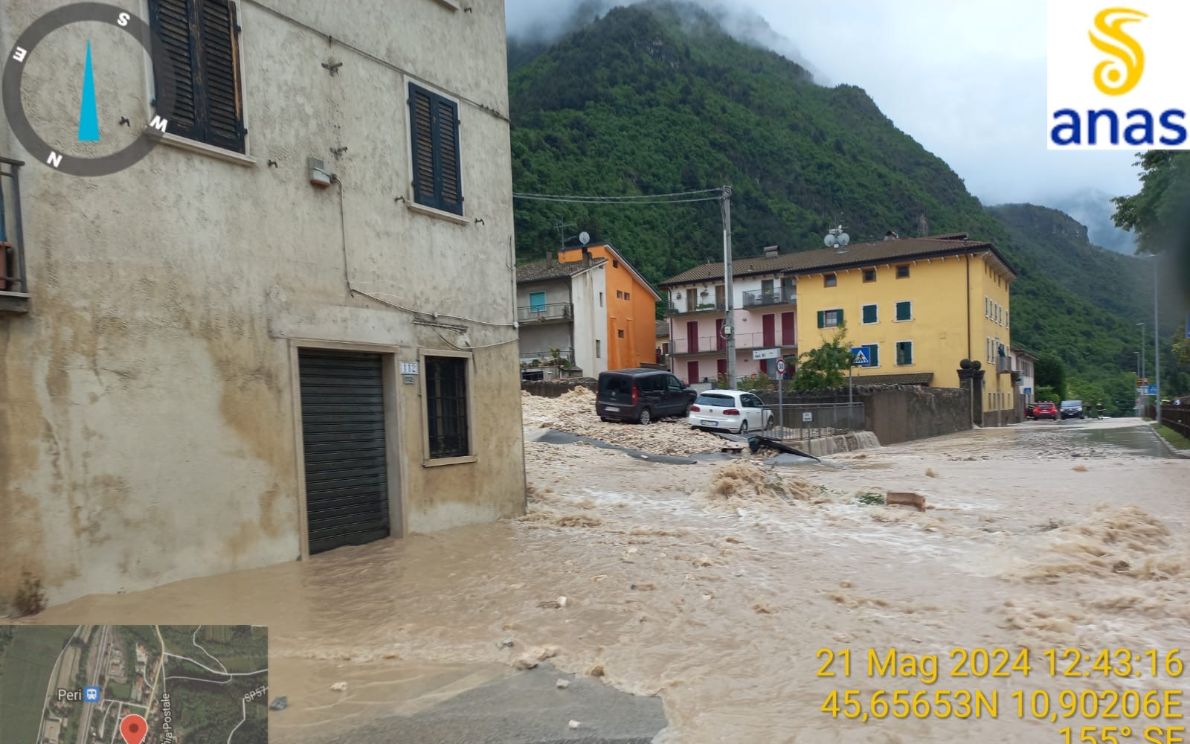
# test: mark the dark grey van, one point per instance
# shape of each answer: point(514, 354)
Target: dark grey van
point(641, 395)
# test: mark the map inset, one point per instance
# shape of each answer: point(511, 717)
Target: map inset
point(192, 684)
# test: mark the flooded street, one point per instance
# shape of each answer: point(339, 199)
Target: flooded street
point(713, 585)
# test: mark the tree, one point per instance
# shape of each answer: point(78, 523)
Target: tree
point(1049, 372)
point(823, 368)
point(1158, 214)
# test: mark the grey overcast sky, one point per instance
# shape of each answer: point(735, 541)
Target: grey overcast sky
point(965, 78)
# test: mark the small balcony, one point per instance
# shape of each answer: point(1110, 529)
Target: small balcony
point(547, 358)
point(14, 286)
point(672, 309)
point(760, 298)
point(557, 312)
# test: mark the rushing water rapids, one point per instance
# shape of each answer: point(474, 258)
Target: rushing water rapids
point(715, 585)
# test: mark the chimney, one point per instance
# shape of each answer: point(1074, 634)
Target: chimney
point(586, 258)
point(771, 251)
point(549, 258)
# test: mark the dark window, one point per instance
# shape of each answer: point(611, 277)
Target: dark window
point(903, 271)
point(446, 407)
point(872, 352)
point(905, 310)
point(675, 383)
point(869, 275)
point(620, 333)
point(870, 314)
point(202, 38)
point(830, 318)
point(628, 295)
point(434, 130)
point(829, 280)
point(904, 352)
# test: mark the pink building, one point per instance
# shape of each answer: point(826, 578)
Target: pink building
point(764, 312)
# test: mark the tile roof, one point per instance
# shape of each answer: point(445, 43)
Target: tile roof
point(857, 254)
point(539, 271)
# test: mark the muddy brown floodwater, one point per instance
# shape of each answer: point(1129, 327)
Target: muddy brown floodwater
point(715, 585)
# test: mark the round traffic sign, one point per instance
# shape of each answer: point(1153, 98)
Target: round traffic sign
point(780, 366)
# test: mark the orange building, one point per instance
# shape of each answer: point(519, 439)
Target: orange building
point(631, 307)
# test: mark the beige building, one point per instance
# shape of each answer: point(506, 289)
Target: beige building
point(290, 326)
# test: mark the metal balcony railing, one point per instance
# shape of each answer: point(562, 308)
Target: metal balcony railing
point(538, 313)
point(14, 284)
point(760, 298)
point(545, 358)
point(672, 308)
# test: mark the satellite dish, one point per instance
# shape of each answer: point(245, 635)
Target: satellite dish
point(830, 241)
point(844, 239)
point(584, 237)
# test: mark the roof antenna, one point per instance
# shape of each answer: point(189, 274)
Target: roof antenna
point(837, 239)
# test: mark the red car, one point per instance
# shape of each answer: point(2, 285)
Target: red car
point(1045, 409)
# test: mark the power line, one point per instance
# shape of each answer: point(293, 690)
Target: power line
point(638, 197)
point(611, 202)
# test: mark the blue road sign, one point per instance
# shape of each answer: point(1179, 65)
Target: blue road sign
point(1146, 390)
point(859, 358)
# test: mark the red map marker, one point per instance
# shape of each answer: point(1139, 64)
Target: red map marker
point(133, 729)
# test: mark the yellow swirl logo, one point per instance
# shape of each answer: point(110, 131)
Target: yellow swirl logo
point(1121, 73)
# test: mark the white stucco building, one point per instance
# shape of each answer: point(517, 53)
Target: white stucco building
point(291, 326)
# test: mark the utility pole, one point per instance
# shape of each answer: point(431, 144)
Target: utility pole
point(728, 322)
point(1156, 338)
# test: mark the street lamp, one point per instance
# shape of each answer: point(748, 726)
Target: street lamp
point(1142, 350)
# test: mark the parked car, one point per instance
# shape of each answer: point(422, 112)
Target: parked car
point(1072, 409)
point(729, 410)
point(1045, 409)
point(641, 396)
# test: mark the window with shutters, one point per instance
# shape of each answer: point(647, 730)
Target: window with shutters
point(202, 38)
point(830, 318)
point(434, 134)
point(904, 311)
point(871, 314)
point(447, 407)
point(904, 353)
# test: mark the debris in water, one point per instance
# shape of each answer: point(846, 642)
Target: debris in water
point(280, 703)
point(562, 684)
point(644, 586)
point(525, 663)
point(906, 498)
point(339, 687)
point(762, 609)
point(574, 724)
point(595, 671)
point(702, 562)
point(552, 604)
point(1079, 468)
point(504, 643)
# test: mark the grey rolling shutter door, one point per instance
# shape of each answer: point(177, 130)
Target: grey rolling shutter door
point(344, 446)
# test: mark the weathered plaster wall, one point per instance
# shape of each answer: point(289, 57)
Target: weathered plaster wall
point(146, 425)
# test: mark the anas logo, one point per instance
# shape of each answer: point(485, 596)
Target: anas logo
point(1115, 75)
point(1121, 73)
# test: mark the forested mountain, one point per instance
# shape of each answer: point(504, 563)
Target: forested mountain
point(657, 98)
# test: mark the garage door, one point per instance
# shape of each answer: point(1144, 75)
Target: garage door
point(343, 440)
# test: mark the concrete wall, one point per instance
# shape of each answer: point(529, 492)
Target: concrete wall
point(590, 321)
point(900, 413)
point(556, 388)
point(555, 292)
point(148, 431)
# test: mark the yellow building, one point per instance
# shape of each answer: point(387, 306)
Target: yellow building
point(918, 307)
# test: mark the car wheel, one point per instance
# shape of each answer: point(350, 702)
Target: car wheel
point(646, 417)
point(743, 428)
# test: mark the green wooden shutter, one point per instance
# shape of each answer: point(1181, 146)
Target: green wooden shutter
point(220, 79)
point(821, 319)
point(170, 20)
point(421, 125)
point(446, 124)
point(873, 351)
point(840, 317)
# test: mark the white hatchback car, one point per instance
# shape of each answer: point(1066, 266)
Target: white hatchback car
point(729, 410)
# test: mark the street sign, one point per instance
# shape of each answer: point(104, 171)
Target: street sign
point(859, 358)
point(1146, 390)
point(781, 366)
point(807, 416)
point(758, 354)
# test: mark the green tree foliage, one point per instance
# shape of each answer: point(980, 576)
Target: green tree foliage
point(1049, 372)
point(824, 368)
point(1045, 392)
point(1160, 213)
point(657, 98)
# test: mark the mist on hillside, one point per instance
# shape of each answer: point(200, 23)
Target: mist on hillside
point(538, 23)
